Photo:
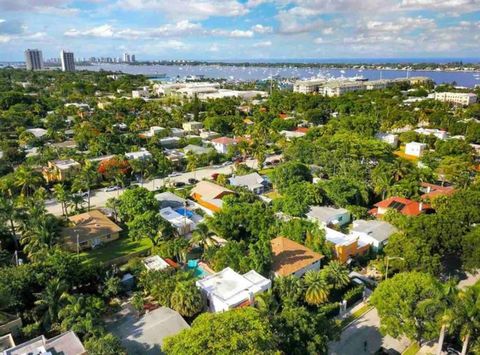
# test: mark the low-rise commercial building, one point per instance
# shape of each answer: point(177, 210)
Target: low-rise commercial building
point(459, 98)
point(228, 289)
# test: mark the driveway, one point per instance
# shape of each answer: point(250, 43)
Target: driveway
point(366, 329)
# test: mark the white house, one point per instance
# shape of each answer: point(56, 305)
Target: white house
point(140, 93)
point(154, 263)
point(142, 154)
point(192, 126)
point(253, 182)
point(182, 223)
point(440, 134)
point(375, 233)
point(228, 289)
point(415, 149)
point(325, 215)
point(389, 138)
point(221, 144)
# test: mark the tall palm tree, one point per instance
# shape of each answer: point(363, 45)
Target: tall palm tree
point(40, 237)
point(63, 196)
point(318, 289)
point(336, 274)
point(468, 315)
point(8, 213)
point(187, 299)
point(450, 292)
point(27, 179)
point(75, 201)
point(201, 236)
point(113, 203)
point(266, 303)
point(87, 178)
point(289, 289)
point(50, 301)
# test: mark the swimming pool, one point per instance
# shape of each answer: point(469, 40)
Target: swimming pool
point(184, 212)
point(198, 271)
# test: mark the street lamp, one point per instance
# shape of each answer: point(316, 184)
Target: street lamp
point(391, 258)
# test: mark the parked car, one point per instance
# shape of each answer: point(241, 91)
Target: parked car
point(112, 188)
point(175, 173)
point(227, 163)
point(192, 181)
point(179, 184)
point(83, 194)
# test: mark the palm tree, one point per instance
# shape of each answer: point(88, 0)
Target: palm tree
point(8, 213)
point(317, 288)
point(27, 179)
point(50, 301)
point(450, 292)
point(289, 289)
point(336, 274)
point(75, 201)
point(81, 313)
point(201, 236)
point(113, 203)
point(266, 303)
point(187, 299)
point(87, 178)
point(63, 196)
point(40, 237)
point(468, 314)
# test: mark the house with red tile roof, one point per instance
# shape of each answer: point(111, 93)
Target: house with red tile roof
point(221, 144)
point(402, 205)
point(432, 191)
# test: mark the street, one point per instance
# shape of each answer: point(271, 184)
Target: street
point(365, 331)
point(100, 197)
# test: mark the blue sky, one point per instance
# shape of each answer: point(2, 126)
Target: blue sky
point(241, 29)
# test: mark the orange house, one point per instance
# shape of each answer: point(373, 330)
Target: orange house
point(209, 195)
point(346, 246)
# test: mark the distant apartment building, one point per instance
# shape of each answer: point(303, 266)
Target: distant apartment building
point(68, 61)
point(334, 88)
point(459, 98)
point(34, 59)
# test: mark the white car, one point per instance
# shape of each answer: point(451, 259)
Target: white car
point(227, 163)
point(112, 188)
point(175, 173)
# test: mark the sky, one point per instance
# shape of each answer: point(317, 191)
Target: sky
point(241, 29)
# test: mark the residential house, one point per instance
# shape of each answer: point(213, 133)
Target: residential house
point(326, 216)
point(154, 263)
point(145, 335)
point(89, 230)
point(345, 246)
point(209, 195)
point(66, 343)
point(37, 132)
point(440, 134)
point(432, 191)
point(402, 205)
point(177, 132)
point(389, 138)
point(297, 133)
point(228, 289)
point(140, 93)
point(192, 126)
point(253, 182)
point(415, 149)
point(374, 233)
point(292, 258)
point(208, 135)
point(181, 222)
point(222, 144)
point(142, 154)
point(61, 170)
point(153, 131)
point(169, 199)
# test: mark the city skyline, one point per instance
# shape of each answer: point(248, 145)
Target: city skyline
point(231, 29)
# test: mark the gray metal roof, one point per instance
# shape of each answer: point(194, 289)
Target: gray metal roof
point(378, 230)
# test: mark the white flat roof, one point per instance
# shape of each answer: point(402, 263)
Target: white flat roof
point(155, 263)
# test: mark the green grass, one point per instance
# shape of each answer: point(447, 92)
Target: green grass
point(413, 349)
point(118, 248)
point(357, 314)
point(266, 171)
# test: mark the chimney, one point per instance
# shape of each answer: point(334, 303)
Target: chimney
point(420, 206)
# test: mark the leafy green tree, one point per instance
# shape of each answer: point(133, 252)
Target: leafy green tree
point(150, 225)
point(81, 314)
point(471, 250)
point(201, 236)
point(187, 299)
point(297, 198)
point(317, 288)
point(290, 173)
point(410, 304)
point(105, 345)
point(239, 331)
point(135, 202)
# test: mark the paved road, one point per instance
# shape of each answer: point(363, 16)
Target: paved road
point(365, 329)
point(99, 197)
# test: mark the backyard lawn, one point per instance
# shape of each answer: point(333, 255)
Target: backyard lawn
point(118, 248)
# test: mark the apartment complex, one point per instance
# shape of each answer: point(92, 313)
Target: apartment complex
point(68, 61)
point(334, 88)
point(34, 59)
point(459, 98)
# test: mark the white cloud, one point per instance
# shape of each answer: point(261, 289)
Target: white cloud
point(241, 34)
point(459, 6)
point(262, 44)
point(188, 9)
point(261, 29)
